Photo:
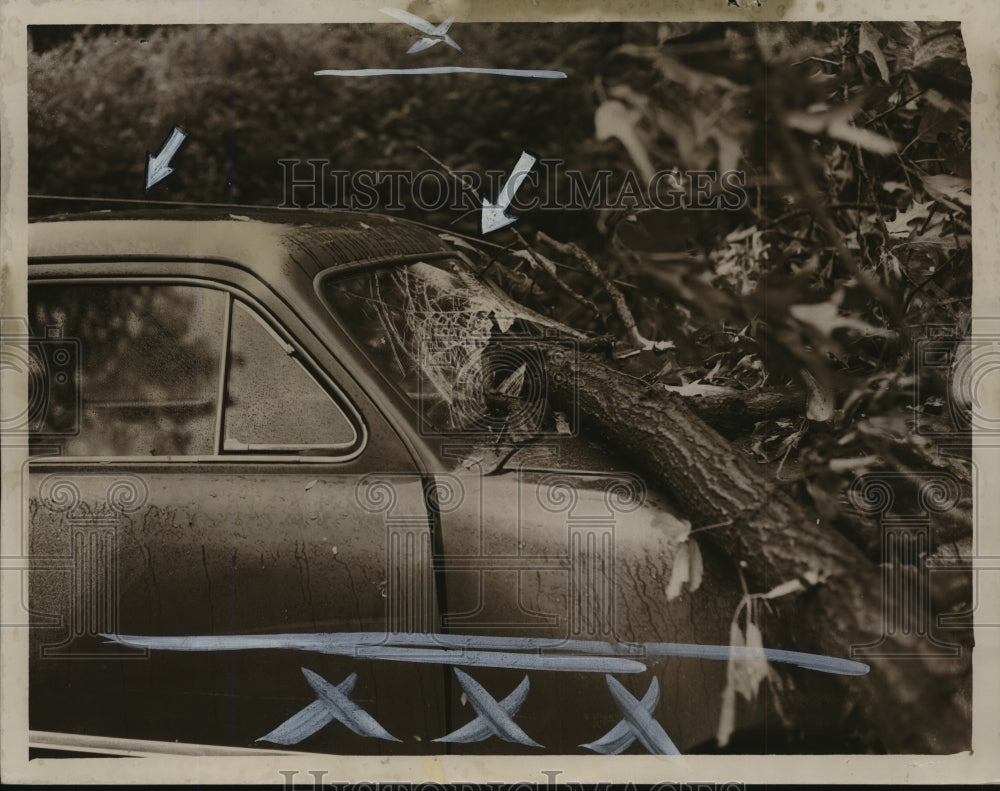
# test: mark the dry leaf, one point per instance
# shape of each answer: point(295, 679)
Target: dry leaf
point(727, 717)
point(792, 586)
point(745, 673)
point(900, 224)
point(458, 241)
point(694, 389)
point(948, 45)
point(697, 569)
point(836, 123)
point(820, 406)
point(614, 119)
point(752, 670)
point(868, 42)
point(680, 573)
point(894, 186)
point(840, 465)
point(512, 385)
point(949, 190)
point(677, 529)
point(688, 568)
point(826, 317)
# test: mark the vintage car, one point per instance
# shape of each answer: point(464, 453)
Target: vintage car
point(295, 483)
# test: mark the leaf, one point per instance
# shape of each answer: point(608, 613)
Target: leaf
point(840, 465)
point(752, 670)
point(949, 190)
point(458, 241)
point(791, 586)
point(671, 30)
point(836, 123)
point(688, 568)
point(680, 573)
point(511, 386)
point(697, 567)
point(614, 119)
point(694, 80)
point(730, 150)
point(868, 42)
point(934, 122)
point(825, 317)
point(820, 406)
point(900, 224)
point(693, 389)
point(311, 484)
point(743, 675)
point(948, 45)
point(894, 186)
point(727, 717)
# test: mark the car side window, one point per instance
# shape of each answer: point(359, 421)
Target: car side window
point(135, 370)
point(273, 403)
point(149, 360)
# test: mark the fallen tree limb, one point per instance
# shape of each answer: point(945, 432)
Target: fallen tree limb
point(617, 298)
point(734, 412)
point(774, 540)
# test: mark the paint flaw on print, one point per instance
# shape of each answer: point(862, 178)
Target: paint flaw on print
point(495, 717)
point(332, 703)
point(637, 723)
point(432, 34)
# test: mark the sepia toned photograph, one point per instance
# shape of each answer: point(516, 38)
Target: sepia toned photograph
point(426, 386)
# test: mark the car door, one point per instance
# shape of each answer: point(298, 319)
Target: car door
point(544, 535)
point(204, 471)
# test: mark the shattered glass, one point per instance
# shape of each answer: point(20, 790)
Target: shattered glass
point(470, 359)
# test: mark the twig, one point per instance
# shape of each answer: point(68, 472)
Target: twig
point(467, 184)
point(830, 207)
point(901, 103)
point(816, 58)
point(549, 267)
point(617, 298)
point(811, 197)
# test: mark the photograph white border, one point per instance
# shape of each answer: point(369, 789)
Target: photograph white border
point(980, 25)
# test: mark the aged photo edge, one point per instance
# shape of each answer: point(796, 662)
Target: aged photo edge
point(979, 25)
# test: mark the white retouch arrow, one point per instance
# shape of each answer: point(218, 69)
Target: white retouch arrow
point(158, 167)
point(495, 215)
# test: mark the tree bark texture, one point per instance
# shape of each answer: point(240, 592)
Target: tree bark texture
point(913, 704)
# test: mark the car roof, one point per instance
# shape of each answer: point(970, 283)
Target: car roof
point(273, 243)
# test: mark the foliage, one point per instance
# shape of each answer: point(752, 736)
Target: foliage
point(856, 237)
point(248, 97)
point(854, 140)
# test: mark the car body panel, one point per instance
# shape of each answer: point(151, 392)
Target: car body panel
point(404, 536)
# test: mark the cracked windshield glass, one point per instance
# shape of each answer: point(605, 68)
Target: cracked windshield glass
point(469, 359)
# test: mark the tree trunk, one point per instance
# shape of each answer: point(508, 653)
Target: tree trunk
point(734, 414)
point(774, 540)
